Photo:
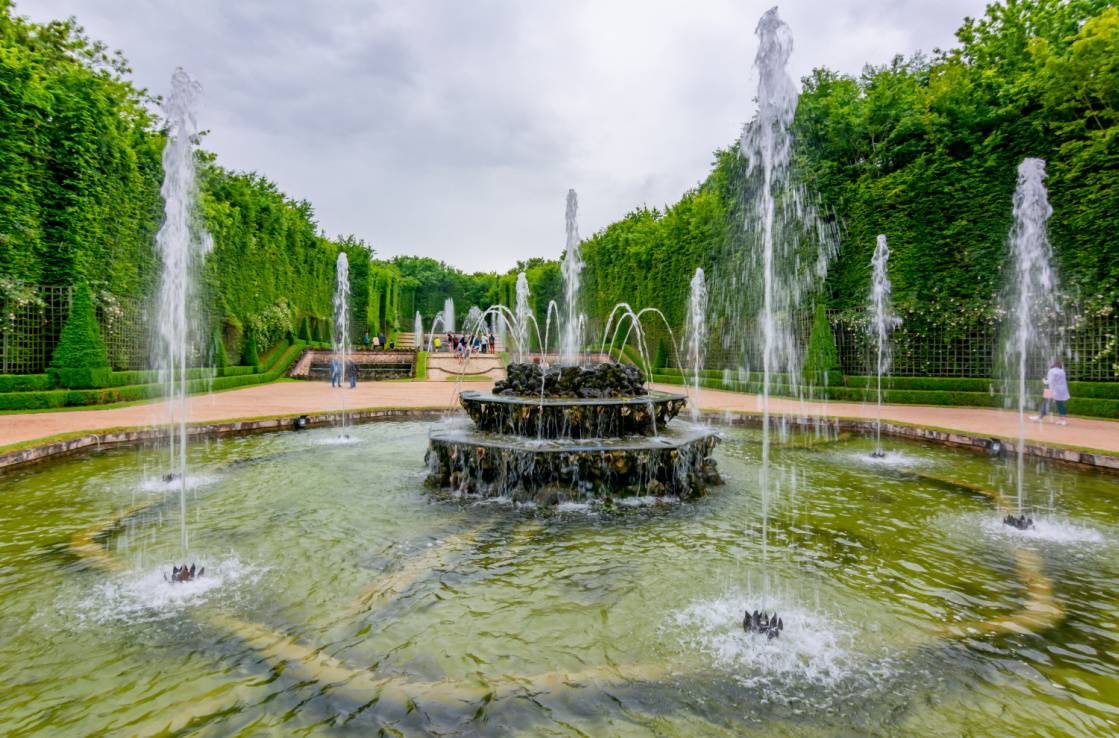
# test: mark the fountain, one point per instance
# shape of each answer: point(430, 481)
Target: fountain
point(571, 338)
point(548, 433)
point(521, 315)
point(696, 334)
point(789, 247)
point(448, 316)
point(884, 321)
point(342, 334)
point(181, 243)
point(418, 332)
point(1029, 296)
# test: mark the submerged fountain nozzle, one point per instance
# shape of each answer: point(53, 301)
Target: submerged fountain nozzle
point(763, 624)
point(301, 422)
point(1020, 522)
point(185, 574)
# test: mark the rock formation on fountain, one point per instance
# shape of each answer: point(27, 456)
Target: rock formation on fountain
point(596, 381)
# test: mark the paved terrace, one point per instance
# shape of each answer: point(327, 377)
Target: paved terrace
point(294, 398)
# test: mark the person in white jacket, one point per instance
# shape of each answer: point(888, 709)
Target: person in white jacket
point(1056, 390)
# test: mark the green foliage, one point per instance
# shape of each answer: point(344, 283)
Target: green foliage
point(821, 358)
point(249, 355)
point(305, 329)
point(419, 372)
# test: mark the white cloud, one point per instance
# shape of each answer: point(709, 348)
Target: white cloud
point(453, 130)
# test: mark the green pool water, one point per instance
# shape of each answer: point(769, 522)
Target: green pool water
point(342, 599)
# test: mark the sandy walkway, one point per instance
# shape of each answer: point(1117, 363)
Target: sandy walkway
point(1089, 433)
point(305, 397)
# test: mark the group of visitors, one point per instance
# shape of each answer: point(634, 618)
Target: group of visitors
point(463, 344)
point(336, 376)
point(379, 341)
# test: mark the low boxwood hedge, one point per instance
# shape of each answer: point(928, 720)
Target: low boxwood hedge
point(44, 400)
point(25, 382)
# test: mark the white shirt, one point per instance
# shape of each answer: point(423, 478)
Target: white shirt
point(1058, 383)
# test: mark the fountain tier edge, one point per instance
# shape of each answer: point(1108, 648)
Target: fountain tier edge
point(676, 462)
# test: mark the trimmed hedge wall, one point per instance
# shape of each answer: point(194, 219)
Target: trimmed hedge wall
point(25, 382)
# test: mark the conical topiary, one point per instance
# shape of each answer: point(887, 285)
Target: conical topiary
point(80, 360)
point(305, 330)
point(821, 361)
point(217, 348)
point(249, 355)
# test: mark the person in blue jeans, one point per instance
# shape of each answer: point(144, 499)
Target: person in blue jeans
point(335, 373)
point(1056, 382)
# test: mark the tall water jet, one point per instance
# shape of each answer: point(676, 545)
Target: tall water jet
point(342, 332)
point(571, 338)
point(1029, 296)
point(181, 243)
point(449, 315)
point(789, 247)
point(473, 324)
point(521, 314)
point(696, 336)
point(883, 320)
point(418, 332)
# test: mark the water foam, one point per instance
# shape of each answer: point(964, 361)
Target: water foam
point(148, 595)
point(193, 481)
point(1049, 530)
point(812, 648)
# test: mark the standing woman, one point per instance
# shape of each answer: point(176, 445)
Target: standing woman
point(1056, 390)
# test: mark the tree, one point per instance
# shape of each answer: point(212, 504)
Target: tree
point(80, 359)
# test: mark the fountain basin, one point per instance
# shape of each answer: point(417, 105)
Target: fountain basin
point(577, 418)
point(676, 462)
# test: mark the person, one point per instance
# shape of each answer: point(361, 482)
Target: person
point(383, 341)
point(353, 373)
point(335, 371)
point(1056, 390)
point(376, 342)
point(435, 343)
point(493, 343)
point(365, 340)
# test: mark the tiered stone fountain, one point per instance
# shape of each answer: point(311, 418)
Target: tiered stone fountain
point(573, 434)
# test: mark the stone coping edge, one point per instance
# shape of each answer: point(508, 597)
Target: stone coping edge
point(141, 436)
point(960, 439)
point(984, 444)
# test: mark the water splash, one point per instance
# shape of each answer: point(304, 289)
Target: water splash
point(1029, 296)
point(883, 320)
point(574, 322)
point(788, 247)
point(695, 333)
point(181, 243)
point(342, 333)
point(448, 315)
point(418, 331)
point(521, 315)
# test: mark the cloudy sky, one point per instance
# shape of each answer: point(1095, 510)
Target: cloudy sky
point(453, 129)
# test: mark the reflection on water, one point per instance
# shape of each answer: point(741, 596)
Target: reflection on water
point(340, 598)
